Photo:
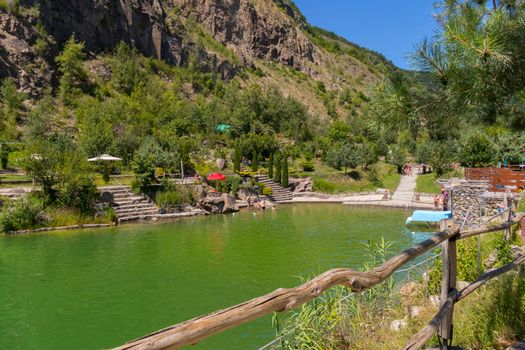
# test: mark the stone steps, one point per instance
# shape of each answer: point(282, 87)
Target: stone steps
point(148, 210)
point(280, 194)
point(129, 206)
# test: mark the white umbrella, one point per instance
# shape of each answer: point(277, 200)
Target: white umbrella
point(104, 157)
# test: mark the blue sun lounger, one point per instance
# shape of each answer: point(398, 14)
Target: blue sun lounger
point(428, 216)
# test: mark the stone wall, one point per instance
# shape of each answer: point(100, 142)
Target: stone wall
point(472, 199)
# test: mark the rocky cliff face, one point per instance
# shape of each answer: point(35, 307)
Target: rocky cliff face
point(224, 36)
point(18, 57)
point(251, 29)
point(102, 24)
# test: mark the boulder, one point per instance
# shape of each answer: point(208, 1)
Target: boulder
point(397, 325)
point(218, 204)
point(221, 163)
point(301, 185)
point(229, 205)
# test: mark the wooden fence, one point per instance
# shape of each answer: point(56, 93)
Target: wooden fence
point(498, 178)
point(197, 329)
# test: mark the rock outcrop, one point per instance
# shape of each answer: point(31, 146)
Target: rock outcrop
point(301, 185)
point(253, 29)
point(218, 203)
point(102, 24)
point(160, 29)
point(18, 57)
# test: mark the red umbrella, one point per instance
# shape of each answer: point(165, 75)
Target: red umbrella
point(216, 177)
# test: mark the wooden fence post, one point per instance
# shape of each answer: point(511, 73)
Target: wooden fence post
point(448, 283)
point(508, 206)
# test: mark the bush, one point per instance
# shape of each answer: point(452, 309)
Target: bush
point(80, 193)
point(284, 180)
point(267, 191)
point(13, 6)
point(234, 182)
point(26, 213)
point(182, 195)
point(111, 215)
point(321, 185)
point(477, 151)
point(307, 166)
point(168, 198)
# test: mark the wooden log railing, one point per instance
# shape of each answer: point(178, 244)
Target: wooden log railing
point(285, 299)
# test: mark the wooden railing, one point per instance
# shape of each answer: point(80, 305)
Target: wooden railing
point(197, 329)
point(498, 178)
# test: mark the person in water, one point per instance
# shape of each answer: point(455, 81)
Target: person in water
point(436, 201)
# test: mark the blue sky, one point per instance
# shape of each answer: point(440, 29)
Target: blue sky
point(391, 27)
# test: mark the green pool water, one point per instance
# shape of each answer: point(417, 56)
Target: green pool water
point(97, 289)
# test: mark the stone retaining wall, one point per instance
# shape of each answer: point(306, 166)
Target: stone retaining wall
point(472, 199)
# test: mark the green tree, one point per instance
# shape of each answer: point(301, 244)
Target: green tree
point(475, 57)
point(236, 159)
point(41, 160)
point(11, 108)
point(345, 155)
point(270, 166)
point(366, 154)
point(284, 179)
point(148, 157)
point(339, 131)
point(278, 172)
point(476, 151)
point(398, 158)
point(382, 147)
point(71, 67)
point(75, 183)
point(4, 155)
point(125, 70)
point(255, 161)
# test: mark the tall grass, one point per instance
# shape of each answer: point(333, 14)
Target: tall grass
point(339, 318)
point(173, 197)
point(25, 213)
point(494, 315)
point(489, 319)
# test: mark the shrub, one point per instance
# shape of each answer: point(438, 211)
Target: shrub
point(321, 185)
point(168, 198)
point(182, 195)
point(270, 167)
point(477, 151)
point(267, 191)
point(79, 192)
point(277, 171)
point(284, 180)
point(234, 182)
point(255, 162)
point(26, 213)
point(111, 215)
point(13, 6)
point(237, 160)
point(307, 166)
point(260, 187)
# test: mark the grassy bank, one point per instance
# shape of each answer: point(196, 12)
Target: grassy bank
point(426, 183)
point(492, 317)
point(329, 180)
point(32, 212)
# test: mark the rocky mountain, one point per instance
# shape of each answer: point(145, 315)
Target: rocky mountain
point(268, 40)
